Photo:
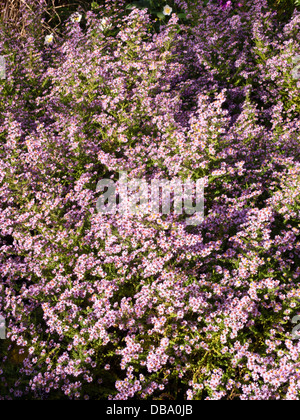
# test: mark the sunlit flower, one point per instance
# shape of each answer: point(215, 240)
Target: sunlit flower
point(296, 69)
point(104, 24)
point(167, 10)
point(2, 71)
point(76, 17)
point(49, 39)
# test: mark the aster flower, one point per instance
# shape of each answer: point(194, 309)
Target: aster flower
point(224, 4)
point(167, 10)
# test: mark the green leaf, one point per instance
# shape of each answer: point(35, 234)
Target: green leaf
point(132, 5)
point(95, 5)
point(160, 15)
point(140, 5)
point(182, 15)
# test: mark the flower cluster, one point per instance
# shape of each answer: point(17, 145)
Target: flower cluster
point(119, 306)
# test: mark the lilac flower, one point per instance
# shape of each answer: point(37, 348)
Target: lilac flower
point(122, 306)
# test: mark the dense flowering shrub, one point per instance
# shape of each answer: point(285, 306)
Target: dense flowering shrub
point(144, 306)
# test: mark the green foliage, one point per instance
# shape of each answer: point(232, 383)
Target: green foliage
point(285, 8)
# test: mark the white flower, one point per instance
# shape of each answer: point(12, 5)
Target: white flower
point(76, 17)
point(296, 72)
point(296, 59)
point(104, 24)
point(167, 10)
point(296, 69)
point(2, 76)
point(49, 39)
